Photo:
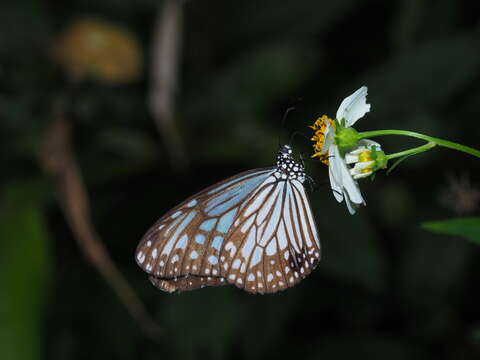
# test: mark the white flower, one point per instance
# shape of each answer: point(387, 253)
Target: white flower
point(344, 185)
point(364, 158)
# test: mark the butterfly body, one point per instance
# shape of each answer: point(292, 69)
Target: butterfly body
point(254, 230)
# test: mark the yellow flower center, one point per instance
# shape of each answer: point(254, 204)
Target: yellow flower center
point(365, 156)
point(320, 126)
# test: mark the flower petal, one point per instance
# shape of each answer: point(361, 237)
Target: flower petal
point(335, 175)
point(351, 207)
point(362, 175)
point(351, 158)
point(367, 143)
point(329, 136)
point(354, 107)
point(350, 186)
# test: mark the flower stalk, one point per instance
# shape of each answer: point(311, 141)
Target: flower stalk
point(415, 150)
point(430, 139)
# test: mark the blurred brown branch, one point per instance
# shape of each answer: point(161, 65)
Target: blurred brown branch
point(58, 159)
point(164, 69)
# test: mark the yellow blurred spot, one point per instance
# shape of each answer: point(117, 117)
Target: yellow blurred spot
point(97, 49)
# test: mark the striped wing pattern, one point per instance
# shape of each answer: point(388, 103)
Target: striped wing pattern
point(254, 230)
point(274, 243)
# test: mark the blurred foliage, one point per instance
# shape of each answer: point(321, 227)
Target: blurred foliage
point(385, 288)
point(24, 259)
point(468, 228)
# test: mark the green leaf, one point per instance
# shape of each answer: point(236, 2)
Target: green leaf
point(23, 274)
point(467, 227)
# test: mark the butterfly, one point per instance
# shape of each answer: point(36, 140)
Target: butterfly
point(254, 230)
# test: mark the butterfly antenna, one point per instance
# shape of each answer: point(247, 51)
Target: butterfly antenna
point(295, 134)
point(284, 118)
point(307, 159)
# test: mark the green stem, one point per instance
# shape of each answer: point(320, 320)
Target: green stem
point(412, 151)
point(440, 142)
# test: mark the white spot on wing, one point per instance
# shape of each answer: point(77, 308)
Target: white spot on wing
point(231, 248)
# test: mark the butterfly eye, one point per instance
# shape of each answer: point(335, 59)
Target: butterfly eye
point(254, 230)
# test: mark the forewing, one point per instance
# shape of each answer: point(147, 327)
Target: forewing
point(181, 251)
point(274, 243)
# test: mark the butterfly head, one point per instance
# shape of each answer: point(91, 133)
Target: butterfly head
point(287, 167)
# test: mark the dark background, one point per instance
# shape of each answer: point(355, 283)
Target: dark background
point(384, 289)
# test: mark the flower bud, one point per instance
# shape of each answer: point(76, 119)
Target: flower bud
point(367, 158)
point(346, 138)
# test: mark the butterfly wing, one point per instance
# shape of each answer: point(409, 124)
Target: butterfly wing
point(181, 251)
point(274, 243)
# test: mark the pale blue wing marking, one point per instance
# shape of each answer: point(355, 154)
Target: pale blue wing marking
point(213, 260)
point(173, 224)
point(226, 221)
point(227, 184)
point(186, 221)
point(217, 242)
point(208, 225)
point(192, 203)
point(235, 195)
point(216, 201)
point(176, 214)
point(199, 239)
point(182, 243)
